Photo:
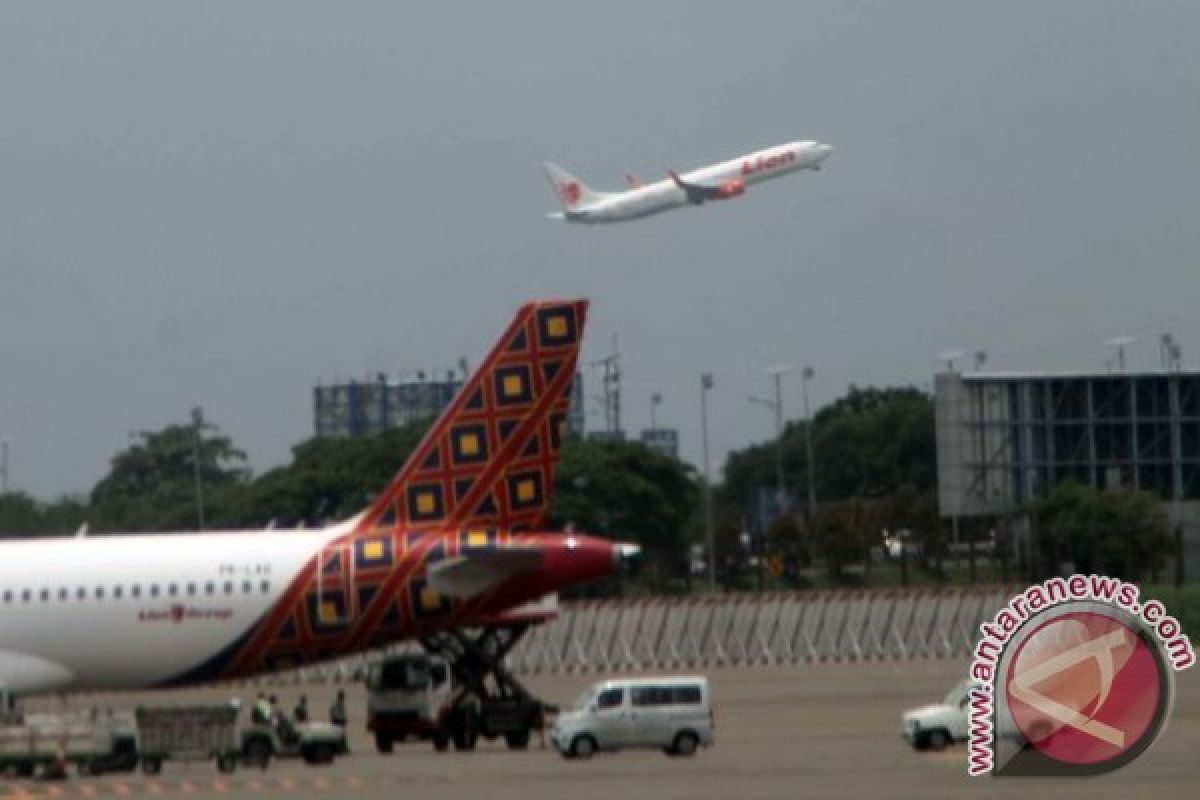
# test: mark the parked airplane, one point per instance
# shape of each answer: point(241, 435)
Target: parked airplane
point(722, 181)
point(455, 541)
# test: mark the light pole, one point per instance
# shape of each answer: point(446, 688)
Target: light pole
point(3, 465)
point(197, 422)
point(806, 375)
point(1119, 343)
point(706, 383)
point(655, 401)
point(777, 371)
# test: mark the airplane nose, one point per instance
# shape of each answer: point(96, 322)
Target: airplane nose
point(824, 151)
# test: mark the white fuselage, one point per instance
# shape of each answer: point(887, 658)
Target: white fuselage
point(665, 195)
point(137, 610)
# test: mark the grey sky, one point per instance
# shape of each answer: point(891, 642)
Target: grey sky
point(222, 203)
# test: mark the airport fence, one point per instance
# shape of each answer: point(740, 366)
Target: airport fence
point(776, 628)
point(732, 630)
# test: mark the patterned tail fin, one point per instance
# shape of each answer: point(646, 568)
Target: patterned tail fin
point(489, 458)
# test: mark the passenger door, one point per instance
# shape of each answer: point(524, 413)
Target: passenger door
point(650, 719)
point(611, 718)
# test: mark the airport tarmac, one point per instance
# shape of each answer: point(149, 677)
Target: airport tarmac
point(827, 731)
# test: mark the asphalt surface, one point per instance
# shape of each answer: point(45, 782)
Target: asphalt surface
point(826, 731)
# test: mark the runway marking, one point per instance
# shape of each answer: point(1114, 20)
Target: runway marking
point(89, 787)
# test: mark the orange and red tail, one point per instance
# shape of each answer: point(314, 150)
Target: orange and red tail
point(489, 458)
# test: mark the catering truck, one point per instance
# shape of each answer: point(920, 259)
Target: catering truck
point(417, 696)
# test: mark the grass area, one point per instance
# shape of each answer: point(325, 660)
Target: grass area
point(1182, 602)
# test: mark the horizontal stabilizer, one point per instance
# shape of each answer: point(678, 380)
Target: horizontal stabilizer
point(477, 571)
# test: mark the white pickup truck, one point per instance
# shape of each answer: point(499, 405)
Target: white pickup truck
point(935, 726)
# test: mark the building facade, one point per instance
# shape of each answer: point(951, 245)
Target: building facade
point(366, 408)
point(1006, 440)
point(664, 441)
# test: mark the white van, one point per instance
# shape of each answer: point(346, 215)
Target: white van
point(674, 713)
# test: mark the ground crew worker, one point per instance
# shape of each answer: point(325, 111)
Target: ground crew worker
point(337, 712)
point(260, 714)
point(300, 712)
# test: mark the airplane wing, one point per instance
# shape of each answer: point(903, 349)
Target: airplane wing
point(477, 571)
point(697, 193)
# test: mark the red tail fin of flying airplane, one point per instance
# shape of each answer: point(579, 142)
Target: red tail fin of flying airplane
point(489, 458)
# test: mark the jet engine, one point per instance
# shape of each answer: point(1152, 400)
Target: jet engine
point(731, 188)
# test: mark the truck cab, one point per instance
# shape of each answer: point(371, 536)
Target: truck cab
point(937, 725)
point(409, 695)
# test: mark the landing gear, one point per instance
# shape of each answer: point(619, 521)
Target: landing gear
point(488, 700)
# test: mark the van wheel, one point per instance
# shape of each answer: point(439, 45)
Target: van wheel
point(383, 742)
point(151, 766)
point(226, 763)
point(441, 742)
point(937, 739)
point(685, 744)
point(582, 746)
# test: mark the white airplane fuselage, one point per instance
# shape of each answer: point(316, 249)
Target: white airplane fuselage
point(138, 610)
point(735, 175)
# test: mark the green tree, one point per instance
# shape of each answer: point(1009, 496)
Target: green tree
point(328, 478)
point(1119, 532)
point(23, 516)
point(151, 485)
point(623, 490)
point(868, 443)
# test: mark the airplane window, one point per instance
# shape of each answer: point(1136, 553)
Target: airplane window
point(25, 595)
point(63, 593)
point(173, 589)
point(247, 587)
point(45, 595)
point(210, 587)
point(191, 589)
point(265, 586)
point(81, 593)
point(8, 596)
point(116, 593)
point(228, 587)
point(99, 592)
point(154, 590)
point(135, 591)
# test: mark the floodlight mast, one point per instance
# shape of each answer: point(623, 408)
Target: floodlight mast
point(1119, 343)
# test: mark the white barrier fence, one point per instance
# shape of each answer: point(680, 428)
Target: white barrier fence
point(731, 630)
point(781, 628)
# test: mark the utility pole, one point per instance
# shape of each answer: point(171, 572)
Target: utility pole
point(806, 375)
point(706, 383)
point(612, 389)
point(197, 424)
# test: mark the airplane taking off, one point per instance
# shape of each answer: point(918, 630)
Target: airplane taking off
point(722, 181)
point(456, 541)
